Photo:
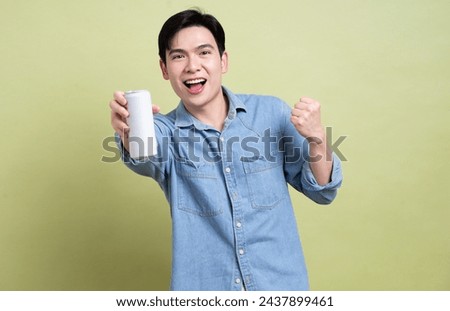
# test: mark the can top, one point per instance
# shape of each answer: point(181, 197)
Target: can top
point(136, 91)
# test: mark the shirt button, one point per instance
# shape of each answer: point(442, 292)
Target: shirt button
point(237, 281)
point(221, 139)
point(227, 169)
point(241, 252)
point(238, 224)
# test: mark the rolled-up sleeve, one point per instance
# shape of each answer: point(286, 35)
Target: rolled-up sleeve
point(322, 194)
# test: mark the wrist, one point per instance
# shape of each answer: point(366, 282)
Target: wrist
point(318, 138)
point(318, 147)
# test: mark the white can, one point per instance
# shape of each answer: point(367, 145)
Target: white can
point(142, 140)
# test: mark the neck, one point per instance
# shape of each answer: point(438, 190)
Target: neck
point(214, 113)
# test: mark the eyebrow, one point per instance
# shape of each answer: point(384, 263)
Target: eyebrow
point(200, 47)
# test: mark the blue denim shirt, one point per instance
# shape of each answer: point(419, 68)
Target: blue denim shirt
point(233, 222)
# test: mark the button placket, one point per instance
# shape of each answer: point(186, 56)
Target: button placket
point(238, 225)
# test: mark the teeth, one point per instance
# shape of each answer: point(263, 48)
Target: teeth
point(195, 81)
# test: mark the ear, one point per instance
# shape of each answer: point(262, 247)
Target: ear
point(224, 62)
point(164, 72)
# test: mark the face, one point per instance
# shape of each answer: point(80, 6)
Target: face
point(195, 67)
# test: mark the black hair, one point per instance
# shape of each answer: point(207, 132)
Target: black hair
point(187, 19)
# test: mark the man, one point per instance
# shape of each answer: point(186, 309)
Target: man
point(224, 161)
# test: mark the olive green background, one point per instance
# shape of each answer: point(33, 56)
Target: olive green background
point(381, 70)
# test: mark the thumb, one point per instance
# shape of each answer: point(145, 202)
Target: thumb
point(155, 109)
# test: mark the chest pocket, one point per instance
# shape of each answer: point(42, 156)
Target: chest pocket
point(200, 190)
point(265, 179)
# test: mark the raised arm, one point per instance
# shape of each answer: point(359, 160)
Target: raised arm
point(306, 119)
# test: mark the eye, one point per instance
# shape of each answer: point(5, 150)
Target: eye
point(205, 52)
point(177, 56)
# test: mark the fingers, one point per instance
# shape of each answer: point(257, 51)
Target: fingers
point(119, 97)
point(118, 109)
point(119, 124)
point(155, 109)
point(305, 116)
point(306, 103)
point(296, 112)
point(119, 113)
point(297, 120)
point(307, 100)
point(301, 109)
point(305, 106)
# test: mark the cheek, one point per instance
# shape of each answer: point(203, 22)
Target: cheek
point(174, 70)
point(175, 84)
point(215, 68)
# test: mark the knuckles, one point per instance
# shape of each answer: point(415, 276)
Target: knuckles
point(307, 104)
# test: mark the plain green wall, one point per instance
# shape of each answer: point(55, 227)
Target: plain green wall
point(381, 70)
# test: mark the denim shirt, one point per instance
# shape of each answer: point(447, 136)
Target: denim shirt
point(233, 224)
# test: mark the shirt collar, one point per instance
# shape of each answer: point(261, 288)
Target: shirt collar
point(185, 119)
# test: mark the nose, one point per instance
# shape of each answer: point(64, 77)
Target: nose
point(193, 65)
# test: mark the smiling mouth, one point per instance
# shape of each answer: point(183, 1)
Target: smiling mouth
point(195, 83)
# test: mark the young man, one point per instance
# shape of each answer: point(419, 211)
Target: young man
point(224, 161)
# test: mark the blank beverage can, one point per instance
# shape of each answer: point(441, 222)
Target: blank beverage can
point(142, 140)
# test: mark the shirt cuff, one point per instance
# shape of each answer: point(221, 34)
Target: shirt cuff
point(310, 183)
point(125, 155)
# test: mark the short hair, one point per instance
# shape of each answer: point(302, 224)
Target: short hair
point(187, 19)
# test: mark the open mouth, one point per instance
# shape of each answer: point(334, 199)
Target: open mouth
point(195, 83)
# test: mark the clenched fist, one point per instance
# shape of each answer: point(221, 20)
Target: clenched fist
point(306, 119)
